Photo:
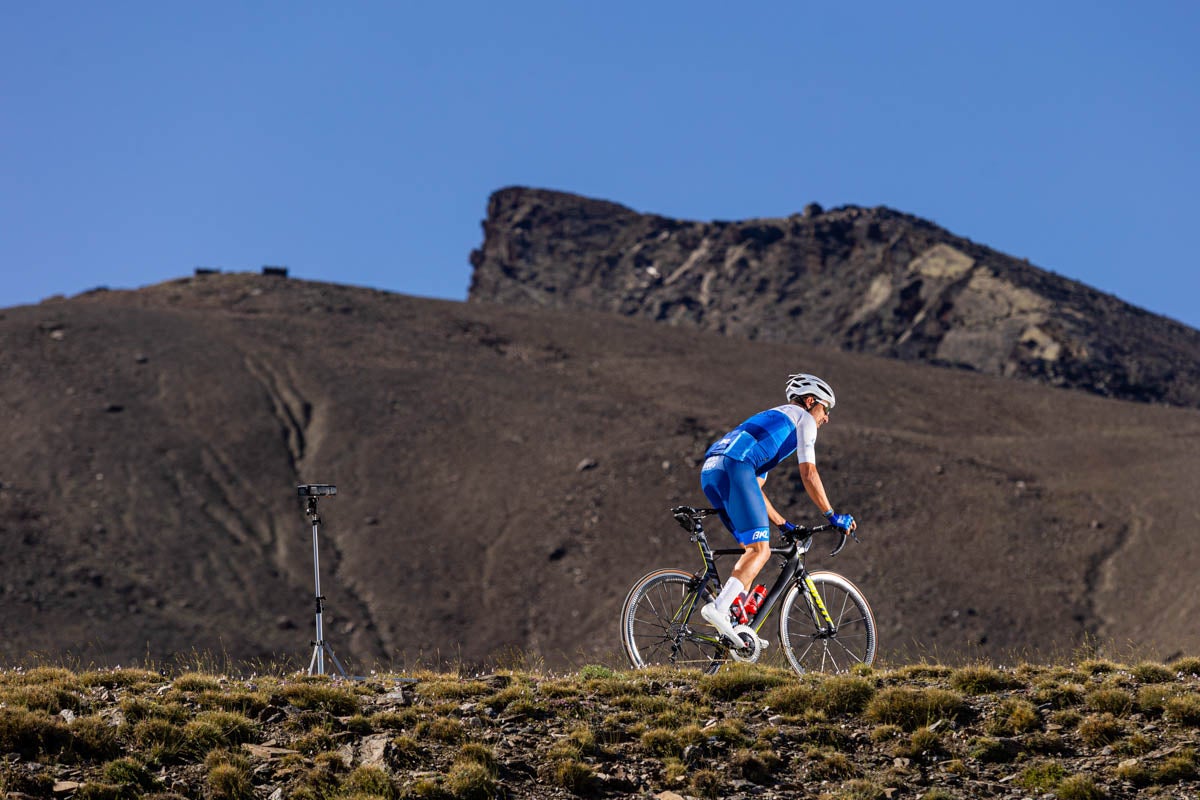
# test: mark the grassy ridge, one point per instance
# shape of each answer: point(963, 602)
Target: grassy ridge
point(1086, 730)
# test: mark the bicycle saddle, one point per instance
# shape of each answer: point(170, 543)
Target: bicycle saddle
point(689, 517)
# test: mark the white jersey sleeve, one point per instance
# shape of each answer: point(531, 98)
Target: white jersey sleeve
point(806, 438)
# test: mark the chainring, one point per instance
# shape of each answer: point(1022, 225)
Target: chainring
point(751, 649)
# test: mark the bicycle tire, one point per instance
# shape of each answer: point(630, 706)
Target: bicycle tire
point(804, 635)
point(656, 625)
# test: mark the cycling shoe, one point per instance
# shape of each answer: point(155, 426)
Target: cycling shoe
point(719, 621)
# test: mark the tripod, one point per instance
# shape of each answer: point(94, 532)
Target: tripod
point(320, 647)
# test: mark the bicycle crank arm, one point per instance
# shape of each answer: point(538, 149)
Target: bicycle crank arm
point(751, 646)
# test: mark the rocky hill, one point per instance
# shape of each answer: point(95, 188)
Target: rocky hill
point(869, 280)
point(504, 475)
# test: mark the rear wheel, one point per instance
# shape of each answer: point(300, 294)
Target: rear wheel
point(657, 620)
point(810, 642)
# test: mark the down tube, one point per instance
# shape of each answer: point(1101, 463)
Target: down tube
point(781, 585)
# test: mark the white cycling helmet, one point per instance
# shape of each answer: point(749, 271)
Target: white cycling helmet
point(801, 384)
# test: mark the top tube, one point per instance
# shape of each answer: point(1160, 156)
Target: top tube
point(800, 539)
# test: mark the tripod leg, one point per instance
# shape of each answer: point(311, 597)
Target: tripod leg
point(337, 663)
point(317, 665)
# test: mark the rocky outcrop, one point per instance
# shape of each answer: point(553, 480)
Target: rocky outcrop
point(870, 280)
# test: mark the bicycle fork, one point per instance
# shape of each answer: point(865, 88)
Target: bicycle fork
point(815, 602)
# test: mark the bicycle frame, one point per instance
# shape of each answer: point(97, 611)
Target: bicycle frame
point(793, 570)
point(660, 609)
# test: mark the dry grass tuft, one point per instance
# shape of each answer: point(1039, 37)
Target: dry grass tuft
point(741, 681)
point(991, 750)
point(1098, 730)
point(137, 679)
point(1098, 666)
point(1057, 694)
point(470, 780)
point(756, 766)
point(573, 775)
point(707, 783)
point(130, 774)
point(440, 729)
point(453, 689)
point(1189, 666)
point(196, 682)
point(976, 680)
point(1014, 717)
point(845, 694)
point(318, 695)
point(230, 782)
point(1184, 709)
point(912, 708)
point(368, 781)
point(1149, 672)
point(1079, 787)
point(1042, 777)
point(823, 764)
point(1117, 702)
point(794, 698)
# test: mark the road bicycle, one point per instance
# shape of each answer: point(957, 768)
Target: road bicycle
point(825, 622)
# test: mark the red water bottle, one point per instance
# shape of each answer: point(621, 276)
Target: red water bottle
point(750, 607)
point(737, 611)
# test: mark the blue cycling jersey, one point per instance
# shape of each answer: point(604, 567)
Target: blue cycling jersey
point(733, 465)
point(769, 437)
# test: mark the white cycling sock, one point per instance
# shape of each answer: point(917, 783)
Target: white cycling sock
point(732, 588)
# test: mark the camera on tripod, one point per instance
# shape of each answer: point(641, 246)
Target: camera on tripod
point(321, 648)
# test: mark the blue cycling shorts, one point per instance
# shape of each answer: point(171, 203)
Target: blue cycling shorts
point(732, 487)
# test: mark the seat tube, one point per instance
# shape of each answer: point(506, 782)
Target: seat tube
point(710, 565)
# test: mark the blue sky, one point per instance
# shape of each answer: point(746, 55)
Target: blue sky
point(357, 142)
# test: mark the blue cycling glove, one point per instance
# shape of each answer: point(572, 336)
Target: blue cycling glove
point(840, 521)
point(786, 527)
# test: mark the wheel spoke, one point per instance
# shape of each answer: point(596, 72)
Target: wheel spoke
point(810, 643)
point(654, 629)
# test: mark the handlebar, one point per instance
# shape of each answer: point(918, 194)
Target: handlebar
point(803, 532)
point(690, 518)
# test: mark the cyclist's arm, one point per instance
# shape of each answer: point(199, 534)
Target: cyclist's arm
point(773, 515)
point(814, 487)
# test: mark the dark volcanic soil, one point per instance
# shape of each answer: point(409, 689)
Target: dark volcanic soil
point(504, 476)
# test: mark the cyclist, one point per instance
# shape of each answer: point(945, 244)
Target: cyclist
point(735, 468)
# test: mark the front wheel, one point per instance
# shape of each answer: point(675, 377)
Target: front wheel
point(828, 627)
point(657, 620)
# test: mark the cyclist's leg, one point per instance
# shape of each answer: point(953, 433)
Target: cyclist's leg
point(752, 527)
point(717, 481)
point(732, 487)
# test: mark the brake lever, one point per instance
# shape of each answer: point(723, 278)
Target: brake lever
point(842, 543)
